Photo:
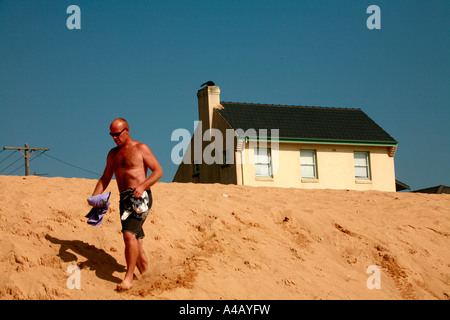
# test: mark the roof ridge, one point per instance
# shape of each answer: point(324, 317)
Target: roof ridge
point(290, 106)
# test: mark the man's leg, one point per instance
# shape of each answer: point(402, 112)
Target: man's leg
point(131, 256)
point(142, 262)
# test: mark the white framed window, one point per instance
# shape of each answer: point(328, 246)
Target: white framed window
point(263, 165)
point(226, 160)
point(362, 165)
point(196, 168)
point(308, 162)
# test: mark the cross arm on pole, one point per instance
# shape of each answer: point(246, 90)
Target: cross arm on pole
point(27, 155)
point(24, 148)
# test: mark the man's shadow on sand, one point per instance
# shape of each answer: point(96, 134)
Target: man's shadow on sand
point(97, 259)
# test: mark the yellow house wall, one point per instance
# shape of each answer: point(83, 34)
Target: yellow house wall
point(335, 167)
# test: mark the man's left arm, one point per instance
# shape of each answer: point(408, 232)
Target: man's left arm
point(152, 163)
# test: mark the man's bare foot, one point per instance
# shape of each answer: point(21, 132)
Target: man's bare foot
point(124, 285)
point(145, 274)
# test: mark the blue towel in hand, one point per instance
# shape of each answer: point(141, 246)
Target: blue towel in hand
point(100, 204)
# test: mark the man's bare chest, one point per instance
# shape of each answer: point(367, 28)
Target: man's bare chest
point(127, 159)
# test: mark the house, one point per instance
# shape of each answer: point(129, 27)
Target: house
point(287, 146)
point(400, 186)
point(437, 189)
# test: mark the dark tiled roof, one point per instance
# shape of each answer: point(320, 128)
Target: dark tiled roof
point(437, 189)
point(309, 123)
point(399, 186)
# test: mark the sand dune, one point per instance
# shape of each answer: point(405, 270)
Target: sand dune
point(225, 242)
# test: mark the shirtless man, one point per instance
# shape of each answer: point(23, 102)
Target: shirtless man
point(129, 162)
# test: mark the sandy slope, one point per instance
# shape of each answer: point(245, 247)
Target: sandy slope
point(226, 242)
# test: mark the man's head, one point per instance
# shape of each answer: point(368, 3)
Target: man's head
point(120, 131)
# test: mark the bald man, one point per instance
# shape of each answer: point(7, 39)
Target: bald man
point(129, 161)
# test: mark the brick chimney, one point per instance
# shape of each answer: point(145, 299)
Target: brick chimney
point(208, 100)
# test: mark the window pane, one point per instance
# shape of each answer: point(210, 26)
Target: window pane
point(308, 172)
point(262, 170)
point(262, 159)
point(196, 168)
point(360, 158)
point(362, 169)
point(308, 163)
point(361, 172)
point(226, 157)
point(261, 156)
point(307, 156)
point(262, 162)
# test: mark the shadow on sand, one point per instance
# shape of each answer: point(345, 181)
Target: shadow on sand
point(97, 259)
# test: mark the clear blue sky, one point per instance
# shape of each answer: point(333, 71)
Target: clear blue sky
point(145, 61)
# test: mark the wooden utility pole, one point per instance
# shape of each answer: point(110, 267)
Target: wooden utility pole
point(27, 154)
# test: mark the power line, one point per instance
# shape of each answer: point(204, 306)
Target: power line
point(8, 156)
point(72, 165)
point(11, 164)
point(26, 154)
point(37, 156)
